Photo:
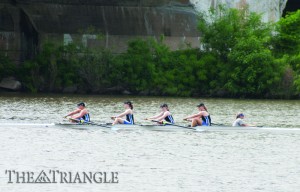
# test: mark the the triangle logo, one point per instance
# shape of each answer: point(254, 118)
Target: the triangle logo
point(42, 178)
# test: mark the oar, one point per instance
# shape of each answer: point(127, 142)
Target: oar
point(167, 123)
point(217, 124)
point(90, 123)
point(100, 125)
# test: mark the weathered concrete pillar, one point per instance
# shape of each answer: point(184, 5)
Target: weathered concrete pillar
point(10, 39)
point(36, 21)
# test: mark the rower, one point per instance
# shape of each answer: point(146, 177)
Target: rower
point(239, 121)
point(164, 115)
point(81, 114)
point(200, 119)
point(128, 113)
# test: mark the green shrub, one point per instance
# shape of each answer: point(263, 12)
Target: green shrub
point(287, 38)
point(240, 41)
point(253, 70)
point(52, 69)
point(96, 69)
point(7, 67)
point(137, 66)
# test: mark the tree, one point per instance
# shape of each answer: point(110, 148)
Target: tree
point(286, 47)
point(287, 38)
point(253, 69)
point(7, 67)
point(223, 27)
point(241, 41)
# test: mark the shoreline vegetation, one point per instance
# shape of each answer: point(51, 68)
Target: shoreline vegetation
point(240, 57)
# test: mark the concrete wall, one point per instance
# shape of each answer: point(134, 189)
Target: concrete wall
point(10, 36)
point(36, 21)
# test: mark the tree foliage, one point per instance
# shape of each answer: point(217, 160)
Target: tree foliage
point(286, 47)
point(241, 42)
point(240, 56)
point(7, 68)
point(287, 38)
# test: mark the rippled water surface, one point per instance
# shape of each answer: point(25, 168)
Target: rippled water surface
point(152, 160)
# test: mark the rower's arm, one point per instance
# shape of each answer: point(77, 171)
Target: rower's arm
point(73, 112)
point(155, 117)
point(164, 115)
point(81, 114)
point(123, 114)
point(193, 116)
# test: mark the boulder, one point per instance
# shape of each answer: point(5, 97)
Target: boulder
point(144, 93)
point(11, 83)
point(271, 10)
point(115, 90)
point(70, 89)
point(125, 92)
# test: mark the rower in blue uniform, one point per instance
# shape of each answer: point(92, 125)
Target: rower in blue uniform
point(164, 117)
point(200, 119)
point(128, 113)
point(205, 120)
point(129, 119)
point(81, 114)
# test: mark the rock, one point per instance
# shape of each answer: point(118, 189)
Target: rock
point(271, 10)
point(70, 89)
point(144, 93)
point(11, 83)
point(220, 93)
point(116, 89)
point(125, 92)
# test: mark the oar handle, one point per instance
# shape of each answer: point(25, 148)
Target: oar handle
point(162, 122)
point(72, 119)
point(88, 122)
point(217, 124)
point(167, 123)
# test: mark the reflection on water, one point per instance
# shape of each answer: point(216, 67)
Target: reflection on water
point(51, 108)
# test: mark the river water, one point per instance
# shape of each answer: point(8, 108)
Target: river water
point(151, 160)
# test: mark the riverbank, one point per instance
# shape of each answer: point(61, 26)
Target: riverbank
point(123, 92)
point(242, 60)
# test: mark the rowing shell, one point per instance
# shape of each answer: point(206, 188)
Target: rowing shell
point(95, 126)
point(125, 127)
point(168, 127)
